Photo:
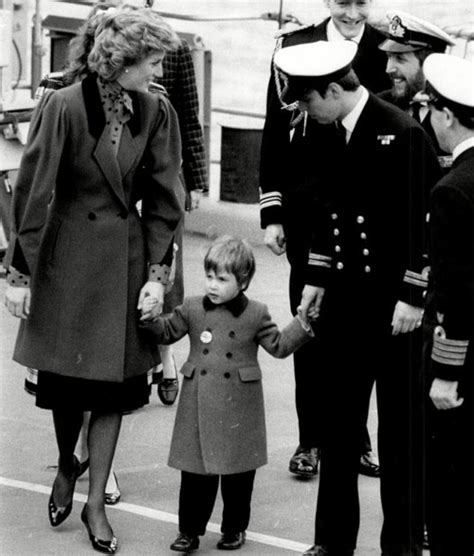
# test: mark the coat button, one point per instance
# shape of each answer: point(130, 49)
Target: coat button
point(360, 220)
point(231, 334)
point(367, 269)
point(363, 235)
point(334, 216)
point(226, 375)
point(340, 266)
point(337, 248)
point(92, 216)
point(336, 231)
point(205, 351)
point(365, 252)
point(228, 355)
point(203, 372)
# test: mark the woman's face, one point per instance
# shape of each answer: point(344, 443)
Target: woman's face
point(139, 76)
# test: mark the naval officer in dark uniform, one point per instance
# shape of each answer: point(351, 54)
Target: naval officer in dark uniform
point(285, 201)
point(449, 313)
point(365, 279)
point(410, 41)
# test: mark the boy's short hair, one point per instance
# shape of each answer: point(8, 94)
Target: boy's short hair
point(232, 255)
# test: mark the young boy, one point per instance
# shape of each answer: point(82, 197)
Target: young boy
point(219, 430)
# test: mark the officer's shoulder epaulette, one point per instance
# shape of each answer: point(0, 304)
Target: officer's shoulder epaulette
point(288, 32)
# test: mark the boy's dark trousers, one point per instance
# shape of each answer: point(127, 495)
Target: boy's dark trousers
point(198, 494)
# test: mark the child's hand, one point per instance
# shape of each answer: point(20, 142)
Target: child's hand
point(313, 313)
point(147, 306)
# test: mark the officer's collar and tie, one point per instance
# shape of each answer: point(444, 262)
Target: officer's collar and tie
point(349, 123)
point(334, 34)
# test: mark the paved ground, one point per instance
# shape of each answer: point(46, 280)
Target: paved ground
point(145, 521)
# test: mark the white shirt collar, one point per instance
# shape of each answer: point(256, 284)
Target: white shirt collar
point(463, 146)
point(334, 34)
point(350, 121)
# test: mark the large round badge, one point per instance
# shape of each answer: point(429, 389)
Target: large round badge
point(206, 337)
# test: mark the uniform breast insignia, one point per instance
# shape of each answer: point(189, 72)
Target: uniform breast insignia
point(385, 139)
point(206, 337)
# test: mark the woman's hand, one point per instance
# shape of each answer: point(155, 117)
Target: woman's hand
point(152, 307)
point(17, 301)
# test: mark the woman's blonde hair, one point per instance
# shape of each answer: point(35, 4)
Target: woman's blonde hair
point(126, 37)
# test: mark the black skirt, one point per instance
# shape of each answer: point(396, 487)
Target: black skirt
point(55, 391)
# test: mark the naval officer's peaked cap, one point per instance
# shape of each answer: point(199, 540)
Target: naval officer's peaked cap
point(408, 33)
point(450, 80)
point(315, 62)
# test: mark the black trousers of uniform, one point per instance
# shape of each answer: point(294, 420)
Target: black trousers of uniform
point(197, 497)
point(308, 383)
point(450, 473)
point(354, 347)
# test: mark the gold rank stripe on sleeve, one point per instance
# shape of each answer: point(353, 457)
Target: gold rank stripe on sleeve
point(319, 260)
point(270, 199)
point(449, 352)
point(415, 279)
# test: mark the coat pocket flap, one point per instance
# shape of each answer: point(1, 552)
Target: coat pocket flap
point(188, 369)
point(247, 374)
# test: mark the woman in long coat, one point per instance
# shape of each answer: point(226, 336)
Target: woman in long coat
point(81, 257)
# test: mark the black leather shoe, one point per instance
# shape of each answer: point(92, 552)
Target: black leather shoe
point(369, 465)
point(112, 498)
point(231, 541)
point(185, 543)
point(168, 390)
point(305, 462)
point(59, 514)
point(316, 550)
point(82, 466)
point(108, 547)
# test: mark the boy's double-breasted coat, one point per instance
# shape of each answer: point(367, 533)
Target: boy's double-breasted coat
point(78, 233)
point(220, 420)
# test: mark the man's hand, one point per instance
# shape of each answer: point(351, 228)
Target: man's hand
point(151, 309)
point(310, 305)
point(17, 301)
point(406, 318)
point(444, 394)
point(275, 238)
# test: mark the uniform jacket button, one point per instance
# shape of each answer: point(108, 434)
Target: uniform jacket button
point(337, 248)
point(334, 216)
point(336, 231)
point(226, 375)
point(367, 269)
point(340, 266)
point(92, 216)
point(365, 252)
point(360, 220)
point(203, 372)
point(363, 235)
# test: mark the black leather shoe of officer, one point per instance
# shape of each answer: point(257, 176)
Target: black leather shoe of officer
point(185, 543)
point(319, 550)
point(304, 462)
point(231, 541)
point(369, 465)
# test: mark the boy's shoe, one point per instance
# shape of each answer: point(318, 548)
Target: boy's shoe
point(168, 389)
point(185, 543)
point(231, 541)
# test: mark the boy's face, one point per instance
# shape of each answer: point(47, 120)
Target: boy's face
point(221, 286)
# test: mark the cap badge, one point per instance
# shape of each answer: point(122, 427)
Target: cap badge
point(385, 139)
point(206, 337)
point(396, 28)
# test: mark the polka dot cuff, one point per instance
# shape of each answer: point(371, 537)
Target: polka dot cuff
point(17, 279)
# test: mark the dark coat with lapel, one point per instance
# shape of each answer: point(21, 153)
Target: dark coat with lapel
point(375, 195)
point(450, 298)
point(77, 231)
point(277, 164)
point(220, 420)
